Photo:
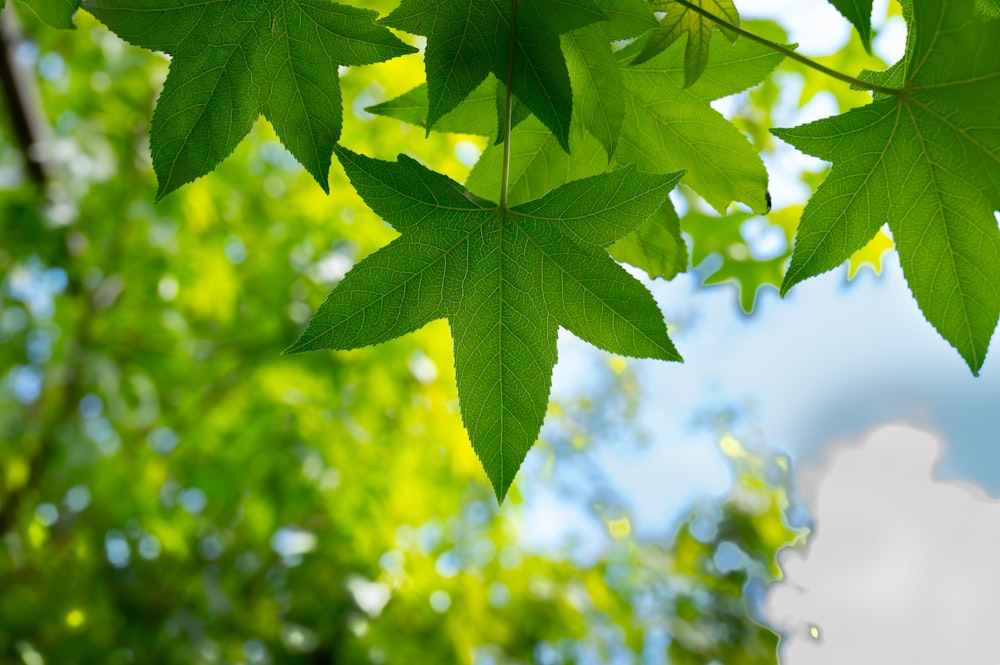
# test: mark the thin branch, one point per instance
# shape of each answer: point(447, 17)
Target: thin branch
point(789, 53)
point(22, 100)
point(508, 112)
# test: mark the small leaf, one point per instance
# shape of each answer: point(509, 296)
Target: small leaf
point(680, 20)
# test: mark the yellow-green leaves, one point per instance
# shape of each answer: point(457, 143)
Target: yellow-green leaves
point(505, 280)
point(681, 18)
point(234, 61)
point(927, 161)
point(468, 39)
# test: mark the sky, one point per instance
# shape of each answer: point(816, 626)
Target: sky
point(893, 442)
point(902, 566)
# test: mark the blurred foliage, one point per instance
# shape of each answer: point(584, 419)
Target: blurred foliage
point(172, 490)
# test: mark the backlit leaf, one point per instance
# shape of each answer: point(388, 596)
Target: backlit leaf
point(927, 161)
point(505, 280)
point(234, 61)
point(468, 39)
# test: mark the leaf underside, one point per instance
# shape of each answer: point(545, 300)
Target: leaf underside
point(505, 280)
point(235, 61)
point(927, 162)
point(468, 39)
point(56, 13)
point(678, 21)
point(859, 13)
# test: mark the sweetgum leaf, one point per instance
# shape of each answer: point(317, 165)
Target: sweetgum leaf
point(468, 39)
point(927, 161)
point(537, 163)
point(859, 13)
point(656, 247)
point(597, 84)
point(627, 18)
point(680, 20)
point(234, 61)
point(505, 280)
point(668, 126)
point(56, 13)
point(475, 115)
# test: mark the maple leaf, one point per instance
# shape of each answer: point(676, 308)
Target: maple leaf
point(468, 39)
point(927, 161)
point(594, 71)
point(234, 61)
point(668, 126)
point(678, 20)
point(859, 13)
point(56, 13)
point(656, 247)
point(505, 280)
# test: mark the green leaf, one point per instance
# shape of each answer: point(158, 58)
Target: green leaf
point(680, 20)
point(537, 163)
point(234, 61)
point(988, 8)
point(928, 162)
point(505, 280)
point(859, 13)
point(597, 84)
point(475, 115)
point(670, 127)
point(468, 39)
point(56, 13)
point(656, 247)
point(627, 18)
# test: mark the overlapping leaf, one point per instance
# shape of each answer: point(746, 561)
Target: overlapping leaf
point(679, 20)
point(927, 161)
point(505, 280)
point(668, 126)
point(233, 61)
point(468, 39)
point(57, 13)
point(859, 13)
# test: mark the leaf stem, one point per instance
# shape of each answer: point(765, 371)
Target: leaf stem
point(508, 111)
point(789, 53)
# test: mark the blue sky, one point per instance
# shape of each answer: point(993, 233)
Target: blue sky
point(808, 376)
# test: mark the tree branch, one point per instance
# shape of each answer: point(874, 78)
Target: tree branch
point(22, 100)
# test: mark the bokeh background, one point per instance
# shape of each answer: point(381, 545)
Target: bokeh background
point(173, 490)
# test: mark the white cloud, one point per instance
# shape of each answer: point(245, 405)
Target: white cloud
point(902, 567)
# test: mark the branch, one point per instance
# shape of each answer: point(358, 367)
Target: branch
point(22, 100)
point(789, 53)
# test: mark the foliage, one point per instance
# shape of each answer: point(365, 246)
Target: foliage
point(925, 160)
point(570, 106)
point(173, 491)
point(505, 279)
point(567, 101)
